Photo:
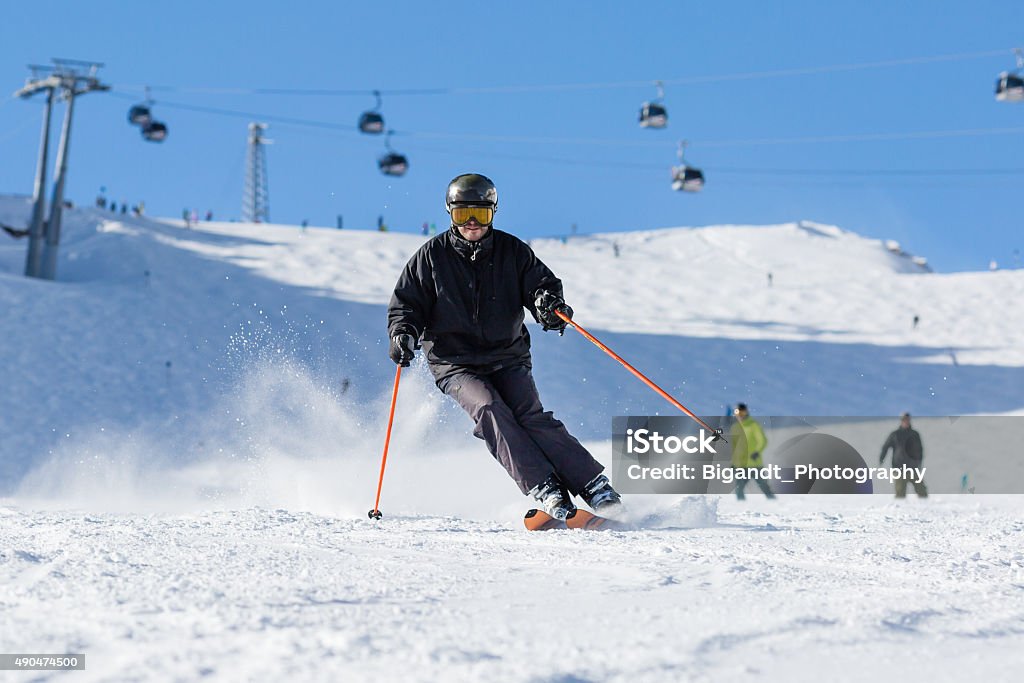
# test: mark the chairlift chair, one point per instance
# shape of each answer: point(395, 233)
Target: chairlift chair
point(154, 131)
point(392, 163)
point(686, 178)
point(371, 121)
point(139, 115)
point(1010, 84)
point(1010, 87)
point(653, 114)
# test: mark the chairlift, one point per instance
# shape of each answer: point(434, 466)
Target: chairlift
point(1010, 88)
point(139, 114)
point(371, 121)
point(686, 178)
point(154, 131)
point(392, 163)
point(1010, 84)
point(653, 114)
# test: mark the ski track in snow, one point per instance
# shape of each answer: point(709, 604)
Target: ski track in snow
point(796, 590)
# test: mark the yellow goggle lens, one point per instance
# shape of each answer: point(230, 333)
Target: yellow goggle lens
point(484, 215)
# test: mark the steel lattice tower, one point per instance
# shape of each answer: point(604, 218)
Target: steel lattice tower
point(256, 198)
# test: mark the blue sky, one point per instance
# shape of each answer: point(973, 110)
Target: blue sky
point(562, 156)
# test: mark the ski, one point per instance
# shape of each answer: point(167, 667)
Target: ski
point(581, 519)
point(538, 520)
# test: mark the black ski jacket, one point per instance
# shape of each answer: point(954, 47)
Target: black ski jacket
point(465, 301)
point(906, 447)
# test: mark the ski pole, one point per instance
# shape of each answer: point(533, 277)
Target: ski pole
point(375, 512)
point(664, 394)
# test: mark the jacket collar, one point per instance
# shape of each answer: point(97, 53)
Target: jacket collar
point(471, 250)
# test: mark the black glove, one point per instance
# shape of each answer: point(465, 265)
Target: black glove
point(755, 456)
point(546, 303)
point(403, 349)
point(881, 459)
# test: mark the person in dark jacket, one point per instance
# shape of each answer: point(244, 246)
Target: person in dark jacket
point(461, 297)
point(907, 451)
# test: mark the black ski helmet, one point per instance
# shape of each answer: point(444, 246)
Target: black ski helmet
point(471, 188)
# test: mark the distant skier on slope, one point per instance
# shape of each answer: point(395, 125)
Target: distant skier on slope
point(463, 294)
point(748, 444)
point(907, 451)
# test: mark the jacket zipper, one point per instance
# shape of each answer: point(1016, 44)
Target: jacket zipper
point(476, 289)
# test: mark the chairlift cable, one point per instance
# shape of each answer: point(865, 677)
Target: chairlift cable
point(608, 142)
point(511, 89)
point(660, 167)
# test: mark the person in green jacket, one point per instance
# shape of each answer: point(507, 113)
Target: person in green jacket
point(748, 442)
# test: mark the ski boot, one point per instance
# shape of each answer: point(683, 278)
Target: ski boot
point(554, 498)
point(600, 496)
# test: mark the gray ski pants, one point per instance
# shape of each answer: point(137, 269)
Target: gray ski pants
point(528, 442)
point(901, 488)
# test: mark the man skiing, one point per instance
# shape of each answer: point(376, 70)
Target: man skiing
point(462, 294)
point(907, 451)
point(748, 444)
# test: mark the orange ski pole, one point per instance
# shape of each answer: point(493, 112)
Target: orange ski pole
point(375, 512)
point(664, 394)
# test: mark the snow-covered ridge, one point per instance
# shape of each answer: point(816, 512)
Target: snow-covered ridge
point(151, 323)
point(191, 433)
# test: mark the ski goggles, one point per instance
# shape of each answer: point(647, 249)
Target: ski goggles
point(484, 215)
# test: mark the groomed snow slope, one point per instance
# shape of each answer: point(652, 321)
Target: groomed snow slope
point(807, 589)
point(188, 470)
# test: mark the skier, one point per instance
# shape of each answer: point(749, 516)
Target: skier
point(463, 293)
point(907, 450)
point(748, 442)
